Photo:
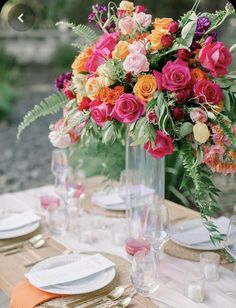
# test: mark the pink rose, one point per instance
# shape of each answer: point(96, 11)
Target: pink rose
point(143, 20)
point(182, 95)
point(128, 109)
point(138, 46)
point(59, 140)
point(140, 8)
point(198, 115)
point(208, 91)
point(173, 27)
point(163, 145)
point(176, 75)
point(126, 25)
point(107, 42)
point(152, 117)
point(216, 58)
point(177, 113)
point(121, 13)
point(158, 77)
point(136, 63)
point(100, 112)
point(97, 58)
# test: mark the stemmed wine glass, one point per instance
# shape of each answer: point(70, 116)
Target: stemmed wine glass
point(157, 228)
point(230, 241)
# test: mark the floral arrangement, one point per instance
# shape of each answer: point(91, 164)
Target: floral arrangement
point(167, 80)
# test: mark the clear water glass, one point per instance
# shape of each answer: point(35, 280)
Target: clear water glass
point(195, 286)
point(144, 274)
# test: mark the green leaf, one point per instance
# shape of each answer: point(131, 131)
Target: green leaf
point(233, 88)
point(188, 32)
point(227, 100)
point(82, 31)
point(185, 129)
point(49, 105)
point(224, 83)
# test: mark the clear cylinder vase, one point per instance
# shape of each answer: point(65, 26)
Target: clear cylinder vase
point(148, 178)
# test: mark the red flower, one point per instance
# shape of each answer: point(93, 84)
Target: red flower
point(208, 91)
point(163, 145)
point(182, 95)
point(67, 91)
point(84, 104)
point(184, 54)
point(178, 113)
point(166, 41)
point(173, 27)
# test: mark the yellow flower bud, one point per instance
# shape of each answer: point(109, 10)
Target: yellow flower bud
point(201, 132)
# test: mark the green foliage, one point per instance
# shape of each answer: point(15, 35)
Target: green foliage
point(50, 105)
point(83, 31)
point(205, 192)
point(9, 72)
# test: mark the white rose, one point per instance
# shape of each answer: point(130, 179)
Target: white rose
point(59, 140)
point(143, 20)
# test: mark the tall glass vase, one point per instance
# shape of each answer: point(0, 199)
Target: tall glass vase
point(143, 188)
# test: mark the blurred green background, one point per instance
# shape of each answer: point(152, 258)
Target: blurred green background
point(32, 60)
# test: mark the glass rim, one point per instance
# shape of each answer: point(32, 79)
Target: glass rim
point(209, 256)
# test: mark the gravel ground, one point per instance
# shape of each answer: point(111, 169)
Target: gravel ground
point(25, 163)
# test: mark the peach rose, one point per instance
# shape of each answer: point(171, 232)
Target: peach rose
point(127, 6)
point(162, 23)
point(145, 87)
point(121, 51)
point(79, 65)
point(92, 87)
point(155, 38)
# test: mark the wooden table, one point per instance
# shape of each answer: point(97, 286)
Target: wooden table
point(12, 267)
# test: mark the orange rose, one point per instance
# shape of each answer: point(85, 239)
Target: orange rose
point(162, 23)
point(155, 39)
point(110, 96)
point(104, 94)
point(121, 51)
point(78, 65)
point(145, 87)
point(198, 74)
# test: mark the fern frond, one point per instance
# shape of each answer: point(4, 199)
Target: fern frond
point(49, 105)
point(82, 31)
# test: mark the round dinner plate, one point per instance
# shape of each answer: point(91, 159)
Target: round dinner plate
point(19, 231)
point(81, 286)
point(112, 207)
point(184, 226)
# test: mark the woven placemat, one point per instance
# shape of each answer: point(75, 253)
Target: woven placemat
point(122, 279)
point(181, 252)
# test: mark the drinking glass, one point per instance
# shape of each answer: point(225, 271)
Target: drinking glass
point(230, 242)
point(157, 229)
point(59, 162)
point(144, 273)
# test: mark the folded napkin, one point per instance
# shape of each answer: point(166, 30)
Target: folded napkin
point(18, 220)
point(70, 272)
point(200, 234)
point(113, 199)
point(25, 295)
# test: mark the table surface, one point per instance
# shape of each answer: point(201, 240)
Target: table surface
point(12, 267)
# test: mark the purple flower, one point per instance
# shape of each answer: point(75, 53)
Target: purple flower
point(91, 17)
point(59, 82)
point(99, 8)
point(214, 35)
point(195, 46)
point(203, 24)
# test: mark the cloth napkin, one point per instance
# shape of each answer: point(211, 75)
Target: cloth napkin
point(25, 295)
point(18, 220)
point(70, 272)
point(200, 234)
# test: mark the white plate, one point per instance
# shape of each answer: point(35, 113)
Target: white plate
point(183, 226)
point(112, 207)
point(20, 231)
point(81, 286)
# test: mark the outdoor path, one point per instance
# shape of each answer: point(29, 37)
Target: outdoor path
point(25, 163)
